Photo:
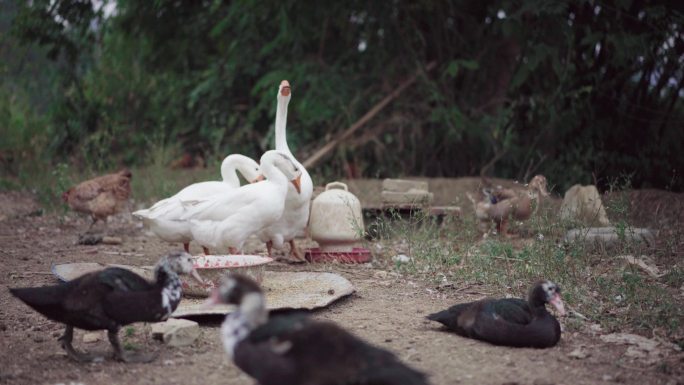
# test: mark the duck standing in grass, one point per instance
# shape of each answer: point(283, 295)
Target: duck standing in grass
point(295, 216)
point(294, 350)
point(109, 299)
point(510, 321)
point(503, 204)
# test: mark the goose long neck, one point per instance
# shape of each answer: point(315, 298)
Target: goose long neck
point(271, 172)
point(280, 125)
point(228, 172)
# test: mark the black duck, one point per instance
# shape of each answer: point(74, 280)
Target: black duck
point(510, 321)
point(109, 299)
point(292, 349)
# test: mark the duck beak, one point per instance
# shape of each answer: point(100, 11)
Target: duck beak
point(285, 88)
point(259, 178)
point(297, 182)
point(557, 302)
point(194, 274)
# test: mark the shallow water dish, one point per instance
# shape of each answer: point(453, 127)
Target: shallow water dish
point(212, 267)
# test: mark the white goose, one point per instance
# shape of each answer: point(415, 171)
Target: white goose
point(227, 220)
point(163, 217)
point(296, 214)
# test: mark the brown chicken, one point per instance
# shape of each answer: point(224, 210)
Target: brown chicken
point(502, 204)
point(100, 197)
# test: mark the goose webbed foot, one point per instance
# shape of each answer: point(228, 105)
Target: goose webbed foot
point(66, 340)
point(123, 356)
point(295, 253)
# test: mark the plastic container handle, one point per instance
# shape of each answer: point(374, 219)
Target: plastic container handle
point(336, 185)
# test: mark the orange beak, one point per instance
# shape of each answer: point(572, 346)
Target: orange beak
point(285, 88)
point(297, 182)
point(259, 178)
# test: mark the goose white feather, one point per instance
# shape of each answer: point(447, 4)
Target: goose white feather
point(227, 220)
point(163, 218)
point(296, 213)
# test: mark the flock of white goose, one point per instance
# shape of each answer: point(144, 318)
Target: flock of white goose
point(221, 215)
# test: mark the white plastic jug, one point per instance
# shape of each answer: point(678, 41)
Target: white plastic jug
point(336, 221)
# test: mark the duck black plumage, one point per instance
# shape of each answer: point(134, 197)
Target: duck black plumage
point(511, 321)
point(109, 299)
point(292, 349)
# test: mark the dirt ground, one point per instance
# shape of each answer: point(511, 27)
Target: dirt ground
point(387, 310)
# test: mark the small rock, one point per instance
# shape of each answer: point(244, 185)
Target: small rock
point(89, 239)
point(381, 274)
point(579, 354)
point(92, 337)
point(168, 363)
point(56, 333)
point(3, 327)
point(38, 339)
point(607, 377)
point(401, 258)
point(176, 332)
point(635, 353)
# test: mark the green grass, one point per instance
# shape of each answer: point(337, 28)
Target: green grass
point(596, 284)
point(149, 183)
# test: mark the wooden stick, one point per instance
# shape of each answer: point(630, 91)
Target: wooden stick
point(366, 117)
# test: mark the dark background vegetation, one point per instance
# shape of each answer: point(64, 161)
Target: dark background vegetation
point(581, 91)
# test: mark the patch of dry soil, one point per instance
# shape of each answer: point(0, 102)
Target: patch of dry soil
point(387, 310)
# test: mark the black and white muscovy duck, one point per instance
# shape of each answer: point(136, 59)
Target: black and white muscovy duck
point(109, 299)
point(292, 349)
point(510, 321)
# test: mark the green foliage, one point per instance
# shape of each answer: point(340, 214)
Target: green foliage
point(575, 90)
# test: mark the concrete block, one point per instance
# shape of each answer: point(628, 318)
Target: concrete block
point(411, 197)
point(603, 238)
point(403, 185)
point(176, 331)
